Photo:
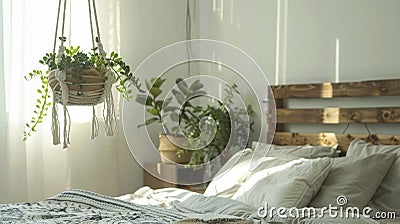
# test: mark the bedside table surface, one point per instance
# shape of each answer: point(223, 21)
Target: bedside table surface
point(178, 174)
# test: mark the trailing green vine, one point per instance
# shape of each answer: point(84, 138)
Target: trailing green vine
point(42, 103)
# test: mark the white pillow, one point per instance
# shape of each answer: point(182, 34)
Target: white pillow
point(281, 182)
point(302, 151)
point(387, 197)
point(356, 178)
point(230, 176)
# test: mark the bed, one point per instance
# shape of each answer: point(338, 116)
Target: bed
point(301, 174)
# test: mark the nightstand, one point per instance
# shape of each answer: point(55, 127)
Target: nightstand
point(173, 172)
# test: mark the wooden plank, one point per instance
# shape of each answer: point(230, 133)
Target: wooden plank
point(279, 105)
point(339, 115)
point(330, 90)
point(330, 139)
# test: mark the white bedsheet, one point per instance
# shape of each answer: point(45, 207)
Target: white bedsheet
point(191, 202)
point(163, 197)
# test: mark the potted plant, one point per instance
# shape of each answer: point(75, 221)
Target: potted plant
point(78, 78)
point(226, 117)
point(188, 114)
point(158, 109)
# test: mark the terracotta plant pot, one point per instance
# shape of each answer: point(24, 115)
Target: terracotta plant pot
point(168, 150)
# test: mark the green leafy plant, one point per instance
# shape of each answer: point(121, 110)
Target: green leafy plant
point(155, 106)
point(188, 114)
point(153, 103)
point(78, 61)
point(226, 117)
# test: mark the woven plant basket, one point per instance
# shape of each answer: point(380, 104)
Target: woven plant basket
point(89, 90)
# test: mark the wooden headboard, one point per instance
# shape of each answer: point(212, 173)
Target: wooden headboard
point(335, 115)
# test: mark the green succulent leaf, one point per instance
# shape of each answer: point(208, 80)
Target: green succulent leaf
point(149, 84)
point(155, 92)
point(159, 104)
point(154, 111)
point(178, 80)
point(196, 85)
point(183, 86)
point(184, 90)
point(63, 39)
point(144, 99)
point(179, 96)
point(158, 82)
point(197, 109)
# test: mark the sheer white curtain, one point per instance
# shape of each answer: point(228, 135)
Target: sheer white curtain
point(36, 169)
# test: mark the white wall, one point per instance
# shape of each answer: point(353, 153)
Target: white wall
point(146, 26)
point(248, 25)
point(368, 32)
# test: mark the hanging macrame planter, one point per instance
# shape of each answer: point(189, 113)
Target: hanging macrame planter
point(79, 80)
point(85, 87)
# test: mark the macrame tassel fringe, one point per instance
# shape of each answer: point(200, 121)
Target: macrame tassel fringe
point(55, 124)
point(67, 127)
point(61, 77)
point(95, 124)
point(109, 114)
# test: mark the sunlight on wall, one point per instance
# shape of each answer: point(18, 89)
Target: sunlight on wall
point(218, 6)
point(337, 59)
point(232, 11)
point(278, 18)
point(114, 24)
point(281, 41)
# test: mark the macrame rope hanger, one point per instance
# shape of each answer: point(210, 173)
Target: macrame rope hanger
point(62, 96)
